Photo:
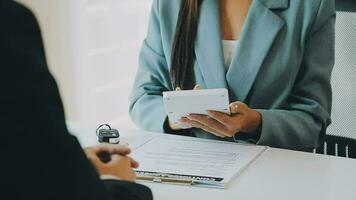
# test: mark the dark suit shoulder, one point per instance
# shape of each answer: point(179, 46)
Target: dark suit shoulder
point(10, 8)
point(18, 26)
point(12, 12)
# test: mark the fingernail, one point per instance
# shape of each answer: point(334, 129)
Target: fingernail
point(236, 108)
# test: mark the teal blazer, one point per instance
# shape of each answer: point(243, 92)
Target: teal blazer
point(282, 67)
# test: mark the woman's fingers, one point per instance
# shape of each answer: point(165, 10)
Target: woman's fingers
point(209, 122)
point(206, 121)
point(202, 126)
point(197, 87)
point(238, 108)
point(220, 117)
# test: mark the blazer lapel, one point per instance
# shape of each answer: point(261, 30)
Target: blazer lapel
point(260, 30)
point(208, 48)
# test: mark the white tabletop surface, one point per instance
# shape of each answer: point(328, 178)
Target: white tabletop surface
point(279, 174)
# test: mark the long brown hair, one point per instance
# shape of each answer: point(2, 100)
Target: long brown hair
point(183, 54)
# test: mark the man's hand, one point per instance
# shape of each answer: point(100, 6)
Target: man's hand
point(112, 160)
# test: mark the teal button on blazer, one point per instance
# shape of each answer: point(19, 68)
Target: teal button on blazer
point(282, 67)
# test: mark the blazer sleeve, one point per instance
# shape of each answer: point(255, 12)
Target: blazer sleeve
point(302, 123)
point(146, 102)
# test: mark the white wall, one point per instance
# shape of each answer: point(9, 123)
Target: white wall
point(92, 49)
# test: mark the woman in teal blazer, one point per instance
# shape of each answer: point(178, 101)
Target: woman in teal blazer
point(280, 69)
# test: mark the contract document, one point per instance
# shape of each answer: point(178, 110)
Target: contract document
point(197, 162)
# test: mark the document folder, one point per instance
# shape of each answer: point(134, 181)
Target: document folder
point(192, 161)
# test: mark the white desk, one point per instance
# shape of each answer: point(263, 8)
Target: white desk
point(279, 174)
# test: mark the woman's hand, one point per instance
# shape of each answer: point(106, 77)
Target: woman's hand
point(242, 119)
point(112, 160)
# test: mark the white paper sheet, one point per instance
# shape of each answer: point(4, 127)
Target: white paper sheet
point(207, 162)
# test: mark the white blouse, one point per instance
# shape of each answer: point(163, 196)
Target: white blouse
point(229, 47)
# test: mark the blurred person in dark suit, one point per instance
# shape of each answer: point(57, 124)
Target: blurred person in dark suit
point(39, 158)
